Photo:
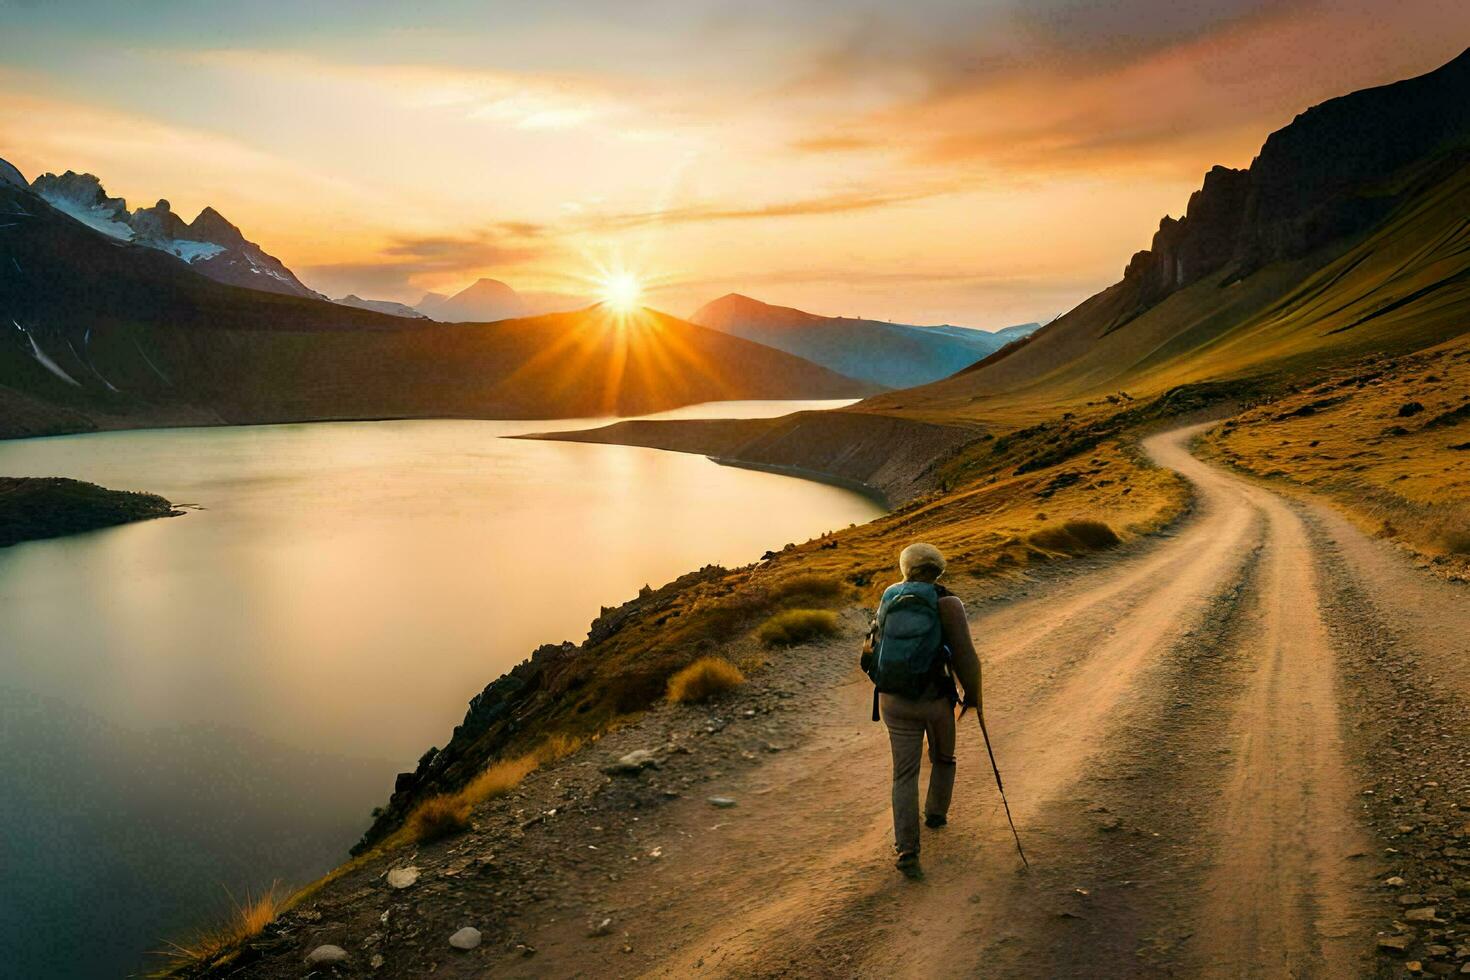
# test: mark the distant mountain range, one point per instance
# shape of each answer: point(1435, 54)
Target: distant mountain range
point(482, 302)
point(894, 355)
point(209, 244)
point(103, 327)
point(382, 306)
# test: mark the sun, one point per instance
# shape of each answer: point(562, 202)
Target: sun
point(621, 292)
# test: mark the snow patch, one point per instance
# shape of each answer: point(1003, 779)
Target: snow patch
point(193, 251)
point(96, 217)
point(44, 360)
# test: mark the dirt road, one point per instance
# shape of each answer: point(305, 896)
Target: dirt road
point(1206, 748)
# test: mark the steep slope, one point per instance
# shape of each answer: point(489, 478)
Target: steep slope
point(484, 301)
point(891, 354)
point(101, 333)
point(209, 243)
point(1346, 235)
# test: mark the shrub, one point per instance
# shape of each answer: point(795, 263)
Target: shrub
point(246, 921)
point(703, 679)
point(439, 816)
point(807, 588)
point(795, 626)
point(1075, 537)
point(499, 779)
point(1455, 542)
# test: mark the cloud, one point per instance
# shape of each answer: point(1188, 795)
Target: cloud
point(1140, 85)
point(838, 203)
point(407, 266)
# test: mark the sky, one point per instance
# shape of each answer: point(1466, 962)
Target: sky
point(982, 162)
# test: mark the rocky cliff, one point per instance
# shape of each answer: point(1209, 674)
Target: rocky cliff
point(1320, 178)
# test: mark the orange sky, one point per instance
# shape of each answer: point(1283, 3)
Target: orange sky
point(965, 162)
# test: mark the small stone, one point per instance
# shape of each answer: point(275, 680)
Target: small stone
point(1437, 951)
point(326, 955)
point(376, 962)
point(723, 802)
point(1425, 914)
point(1395, 944)
point(466, 938)
point(1394, 882)
point(600, 928)
point(403, 877)
point(1110, 824)
point(526, 951)
point(632, 763)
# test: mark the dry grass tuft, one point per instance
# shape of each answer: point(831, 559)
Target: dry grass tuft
point(212, 946)
point(796, 626)
point(439, 817)
point(1076, 537)
point(704, 679)
point(808, 589)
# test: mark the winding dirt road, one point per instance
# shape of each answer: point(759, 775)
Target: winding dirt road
point(1217, 746)
point(1171, 729)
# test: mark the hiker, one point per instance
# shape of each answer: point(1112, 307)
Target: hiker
point(918, 646)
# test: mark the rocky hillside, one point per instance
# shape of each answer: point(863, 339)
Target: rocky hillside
point(894, 355)
point(210, 244)
point(105, 334)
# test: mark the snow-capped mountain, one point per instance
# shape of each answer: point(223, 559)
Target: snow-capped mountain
point(210, 244)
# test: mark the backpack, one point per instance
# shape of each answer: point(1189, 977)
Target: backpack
point(908, 650)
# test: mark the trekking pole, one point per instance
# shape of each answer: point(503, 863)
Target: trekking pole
point(980, 715)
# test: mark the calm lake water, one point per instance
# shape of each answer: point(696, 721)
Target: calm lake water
point(193, 707)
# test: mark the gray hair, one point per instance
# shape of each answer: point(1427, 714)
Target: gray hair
point(921, 561)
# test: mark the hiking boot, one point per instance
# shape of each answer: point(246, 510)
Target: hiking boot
point(908, 864)
point(934, 821)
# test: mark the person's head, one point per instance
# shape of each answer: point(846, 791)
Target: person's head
point(921, 563)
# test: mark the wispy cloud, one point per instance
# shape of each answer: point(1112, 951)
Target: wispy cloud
point(408, 265)
point(837, 203)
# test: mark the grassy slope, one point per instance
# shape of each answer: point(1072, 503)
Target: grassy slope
point(1388, 439)
point(1403, 287)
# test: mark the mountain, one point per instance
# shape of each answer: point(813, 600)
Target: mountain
point(891, 354)
point(381, 306)
point(485, 301)
point(1345, 237)
point(430, 303)
point(10, 175)
point(209, 243)
point(101, 333)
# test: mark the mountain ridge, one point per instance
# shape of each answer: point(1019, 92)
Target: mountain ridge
point(891, 354)
point(210, 244)
point(106, 334)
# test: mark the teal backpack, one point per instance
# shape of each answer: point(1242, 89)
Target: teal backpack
point(908, 647)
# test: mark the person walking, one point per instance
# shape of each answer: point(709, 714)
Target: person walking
point(917, 649)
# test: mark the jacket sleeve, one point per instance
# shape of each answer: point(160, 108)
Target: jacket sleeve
point(963, 659)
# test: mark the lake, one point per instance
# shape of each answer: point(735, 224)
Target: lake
point(193, 707)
